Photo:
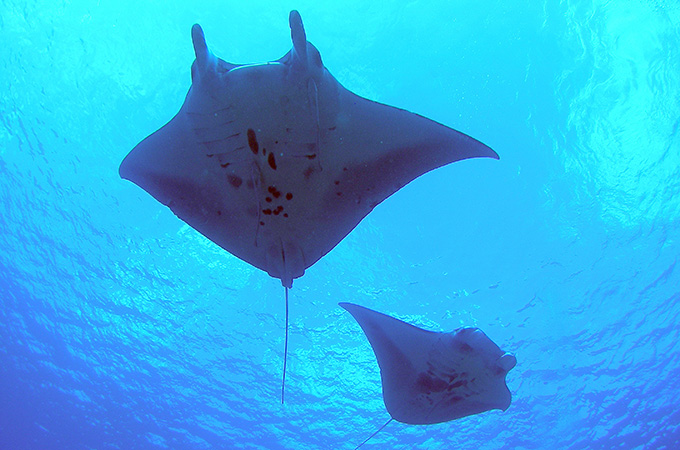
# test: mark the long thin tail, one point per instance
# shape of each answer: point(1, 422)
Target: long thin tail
point(376, 432)
point(285, 353)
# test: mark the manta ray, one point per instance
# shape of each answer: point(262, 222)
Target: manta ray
point(277, 162)
point(432, 377)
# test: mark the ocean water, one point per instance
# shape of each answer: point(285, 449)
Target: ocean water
point(123, 328)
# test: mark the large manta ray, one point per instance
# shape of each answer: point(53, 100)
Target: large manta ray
point(277, 162)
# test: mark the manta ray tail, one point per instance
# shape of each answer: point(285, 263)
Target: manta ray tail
point(285, 353)
point(374, 433)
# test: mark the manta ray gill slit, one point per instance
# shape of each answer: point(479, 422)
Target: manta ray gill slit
point(273, 197)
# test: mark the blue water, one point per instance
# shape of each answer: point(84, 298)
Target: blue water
point(122, 328)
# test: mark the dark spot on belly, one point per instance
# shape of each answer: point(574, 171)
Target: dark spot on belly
point(465, 348)
point(275, 192)
point(234, 180)
point(267, 212)
point(219, 213)
point(278, 210)
point(308, 172)
point(285, 214)
point(289, 196)
point(252, 141)
point(332, 128)
point(224, 165)
point(312, 156)
point(426, 383)
point(337, 182)
point(272, 161)
point(268, 199)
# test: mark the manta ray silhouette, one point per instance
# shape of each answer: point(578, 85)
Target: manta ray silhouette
point(431, 377)
point(277, 162)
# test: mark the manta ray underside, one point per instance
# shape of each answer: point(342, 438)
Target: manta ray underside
point(277, 162)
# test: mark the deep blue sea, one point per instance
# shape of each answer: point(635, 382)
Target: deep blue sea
point(123, 328)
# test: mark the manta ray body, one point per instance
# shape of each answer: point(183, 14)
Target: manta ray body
point(432, 377)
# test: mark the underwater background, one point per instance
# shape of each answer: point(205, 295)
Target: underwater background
point(123, 328)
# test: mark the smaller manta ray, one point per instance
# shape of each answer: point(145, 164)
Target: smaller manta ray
point(430, 377)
